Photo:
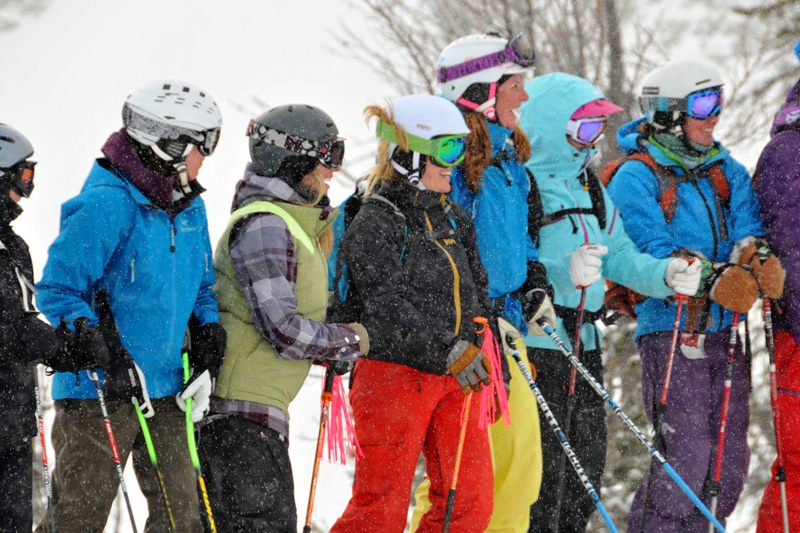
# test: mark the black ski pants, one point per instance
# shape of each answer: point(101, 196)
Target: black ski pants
point(587, 436)
point(16, 478)
point(249, 477)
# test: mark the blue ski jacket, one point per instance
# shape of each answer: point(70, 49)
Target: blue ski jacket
point(559, 170)
point(500, 214)
point(157, 271)
point(695, 225)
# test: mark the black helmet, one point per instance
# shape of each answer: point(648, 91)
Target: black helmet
point(289, 141)
point(15, 149)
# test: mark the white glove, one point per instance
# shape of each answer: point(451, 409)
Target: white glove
point(545, 311)
point(509, 334)
point(198, 390)
point(585, 263)
point(145, 405)
point(682, 277)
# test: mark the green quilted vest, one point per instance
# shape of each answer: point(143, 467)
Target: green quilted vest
point(251, 369)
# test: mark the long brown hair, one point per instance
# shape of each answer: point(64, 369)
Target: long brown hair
point(479, 149)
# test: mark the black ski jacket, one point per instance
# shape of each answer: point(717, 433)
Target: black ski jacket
point(17, 399)
point(419, 275)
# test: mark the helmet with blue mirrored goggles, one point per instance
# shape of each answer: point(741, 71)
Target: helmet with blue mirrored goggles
point(700, 104)
point(444, 150)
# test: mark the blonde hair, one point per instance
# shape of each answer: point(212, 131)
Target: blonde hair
point(479, 149)
point(383, 171)
point(326, 238)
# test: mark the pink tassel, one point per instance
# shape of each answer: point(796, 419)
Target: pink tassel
point(493, 397)
point(339, 423)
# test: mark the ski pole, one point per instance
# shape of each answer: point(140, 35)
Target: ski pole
point(201, 482)
point(661, 408)
point(780, 473)
point(114, 452)
point(716, 488)
point(151, 450)
point(327, 396)
point(631, 426)
point(573, 378)
point(451, 494)
point(568, 451)
point(45, 467)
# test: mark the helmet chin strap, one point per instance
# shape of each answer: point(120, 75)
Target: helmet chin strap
point(179, 164)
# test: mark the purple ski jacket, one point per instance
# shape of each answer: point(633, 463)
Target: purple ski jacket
point(778, 189)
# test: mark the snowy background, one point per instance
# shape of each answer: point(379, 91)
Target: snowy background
point(68, 65)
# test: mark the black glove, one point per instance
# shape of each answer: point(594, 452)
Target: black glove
point(340, 368)
point(207, 347)
point(82, 349)
point(124, 380)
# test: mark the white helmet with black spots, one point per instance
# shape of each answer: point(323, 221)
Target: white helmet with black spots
point(471, 68)
point(435, 128)
point(16, 170)
point(680, 88)
point(171, 115)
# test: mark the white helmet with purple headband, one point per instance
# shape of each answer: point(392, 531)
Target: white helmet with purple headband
point(472, 67)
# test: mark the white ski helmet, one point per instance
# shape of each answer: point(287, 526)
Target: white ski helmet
point(481, 59)
point(167, 115)
point(667, 90)
point(435, 127)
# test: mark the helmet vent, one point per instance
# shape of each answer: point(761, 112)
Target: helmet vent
point(186, 90)
point(166, 86)
point(703, 81)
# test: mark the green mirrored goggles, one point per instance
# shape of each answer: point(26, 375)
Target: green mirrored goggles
point(445, 151)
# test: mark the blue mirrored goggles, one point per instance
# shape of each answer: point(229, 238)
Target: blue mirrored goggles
point(704, 104)
point(587, 131)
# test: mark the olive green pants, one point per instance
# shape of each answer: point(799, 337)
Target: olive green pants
point(85, 479)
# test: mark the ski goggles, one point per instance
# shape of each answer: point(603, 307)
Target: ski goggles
point(172, 139)
point(20, 176)
point(445, 151)
point(704, 104)
point(586, 131)
point(519, 50)
point(330, 153)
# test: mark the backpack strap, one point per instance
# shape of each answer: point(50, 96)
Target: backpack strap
point(535, 208)
point(598, 208)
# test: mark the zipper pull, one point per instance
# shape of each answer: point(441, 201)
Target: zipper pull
point(172, 233)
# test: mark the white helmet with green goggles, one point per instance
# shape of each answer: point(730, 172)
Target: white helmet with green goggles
point(434, 126)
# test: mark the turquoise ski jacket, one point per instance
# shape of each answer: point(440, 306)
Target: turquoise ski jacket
point(559, 170)
point(695, 224)
point(500, 214)
point(157, 271)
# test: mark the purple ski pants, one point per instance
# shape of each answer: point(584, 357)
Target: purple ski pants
point(689, 432)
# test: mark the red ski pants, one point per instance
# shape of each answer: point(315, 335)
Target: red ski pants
point(787, 363)
point(398, 413)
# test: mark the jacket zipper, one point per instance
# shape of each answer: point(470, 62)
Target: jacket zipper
point(456, 277)
point(710, 219)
